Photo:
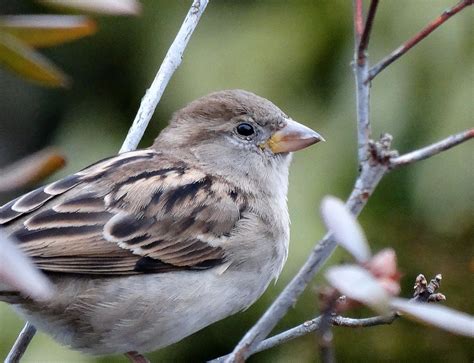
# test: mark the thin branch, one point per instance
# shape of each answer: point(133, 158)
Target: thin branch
point(431, 150)
point(298, 331)
point(358, 20)
point(405, 47)
point(363, 110)
point(364, 323)
point(313, 325)
point(21, 343)
point(361, 72)
point(364, 39)
point(326, 350)
point(168, 67)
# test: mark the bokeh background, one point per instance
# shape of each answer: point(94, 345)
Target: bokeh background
point(298, 55)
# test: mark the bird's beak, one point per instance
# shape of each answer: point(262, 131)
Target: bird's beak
point(292, 137)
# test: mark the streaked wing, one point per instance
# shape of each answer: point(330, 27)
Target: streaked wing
point(137, 212)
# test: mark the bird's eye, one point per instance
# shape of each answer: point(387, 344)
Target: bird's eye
point(245, 129)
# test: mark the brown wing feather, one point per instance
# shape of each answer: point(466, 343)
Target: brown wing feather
point(136, 212)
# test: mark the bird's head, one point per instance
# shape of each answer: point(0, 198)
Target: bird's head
point(236, 133)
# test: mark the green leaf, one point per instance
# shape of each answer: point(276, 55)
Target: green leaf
point(103, 7)
point(47, 30)
point(28, 63)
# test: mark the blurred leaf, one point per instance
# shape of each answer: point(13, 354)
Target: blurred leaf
point(345, 228)
point(28, 63)
point(31, 169)
point(358, 284)
point(47, 30)
point(17, 271)
point(437, 315)
point(383, 266)
point(104, 7)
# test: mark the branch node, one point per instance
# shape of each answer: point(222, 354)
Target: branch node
point(380, 151)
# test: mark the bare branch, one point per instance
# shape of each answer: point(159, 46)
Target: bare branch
point(168, 67)
point(326, 349)
point(364, 323)
point(363, 109)
point(405, 47)
point(313, 325)
point(306, 328)
point(431, 150)
point(361, 72)
point(358, 20)
point(364, 39)
point(21, 343)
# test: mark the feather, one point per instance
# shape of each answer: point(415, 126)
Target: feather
point(138, 212)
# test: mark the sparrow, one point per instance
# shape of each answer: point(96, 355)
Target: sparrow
point(149, 246)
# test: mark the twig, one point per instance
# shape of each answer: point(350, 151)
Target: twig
point(21, 343)
point(405, 47)
point(361, 69)
point(313, 325)
point(168, 67)
point(431, 150)
point(364, 39)
point(326, 350)
point(364, 323)
point(358, 20)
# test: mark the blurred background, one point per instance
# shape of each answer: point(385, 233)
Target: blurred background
point(298, 55)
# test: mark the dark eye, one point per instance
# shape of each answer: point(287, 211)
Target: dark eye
point(245, 129)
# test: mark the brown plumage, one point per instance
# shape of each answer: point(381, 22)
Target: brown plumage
point(152, 245)
point(120, 217)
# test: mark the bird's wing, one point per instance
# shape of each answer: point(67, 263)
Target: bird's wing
point(137, 212)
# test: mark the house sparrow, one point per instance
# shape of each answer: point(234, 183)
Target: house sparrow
point(150, 246)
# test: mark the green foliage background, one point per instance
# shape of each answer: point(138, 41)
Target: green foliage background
point(297, 54)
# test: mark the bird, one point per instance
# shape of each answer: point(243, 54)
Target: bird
point(149, 246)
